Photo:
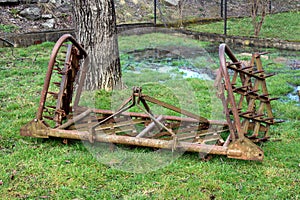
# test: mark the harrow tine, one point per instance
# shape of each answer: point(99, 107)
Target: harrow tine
point(240, 88)
point(272, 99)
point(252, 92)
point(258, 115)
point(48, 117)
point(235, 63)
point(247, 112)
point(263, 95)
point(57, 83)
point(246, 68)
point(279, 121)
point(258, 71)
point(62, 60)
point(52, 107)
point(54, 94)
point(269, 75)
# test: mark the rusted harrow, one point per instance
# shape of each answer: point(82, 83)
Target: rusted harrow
point(244, 96)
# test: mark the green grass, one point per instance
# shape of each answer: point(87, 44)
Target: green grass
point(7, 28)
point(37, 169)
point(136, 42)
point(285, 26)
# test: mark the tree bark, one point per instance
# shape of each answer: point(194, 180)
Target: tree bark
point(95, 25)
point(256, 6)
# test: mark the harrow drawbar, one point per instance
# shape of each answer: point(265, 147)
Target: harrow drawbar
point(242, 90)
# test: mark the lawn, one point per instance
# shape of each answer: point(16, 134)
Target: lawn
point(285, 26)
point(33, 168)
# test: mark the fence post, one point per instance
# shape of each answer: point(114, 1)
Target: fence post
point(221, 8)
point(154, 12)
point(225, 17)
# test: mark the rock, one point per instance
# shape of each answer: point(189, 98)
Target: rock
point(28, 1)
point(63, 9)
point(9, 1)
point(60, 2)
point(47, 16)
point(49, 24)
point(32, 13)
point(172, 2)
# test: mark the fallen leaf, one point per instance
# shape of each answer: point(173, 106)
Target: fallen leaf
point(1, 182)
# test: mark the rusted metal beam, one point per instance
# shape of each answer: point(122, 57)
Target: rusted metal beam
point(241, 150)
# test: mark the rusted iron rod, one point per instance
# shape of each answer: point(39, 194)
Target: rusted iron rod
point(150, 127)
point(166, 117)
point(176, 109)
point(75, 119)
point(145, 142)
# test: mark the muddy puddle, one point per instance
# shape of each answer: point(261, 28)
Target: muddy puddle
point(175, 61)
point(295, 95)
point(201, 63)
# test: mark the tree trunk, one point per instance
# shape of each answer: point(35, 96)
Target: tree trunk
point(258, 7)
point(95, 24)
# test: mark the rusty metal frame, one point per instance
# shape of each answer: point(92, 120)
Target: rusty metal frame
point(74, 53)
point(247, 103)
point(190, 133)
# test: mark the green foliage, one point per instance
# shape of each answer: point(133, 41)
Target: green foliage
point(36, 169)
point(285, 26)
point(14, 12)
point(7, 28)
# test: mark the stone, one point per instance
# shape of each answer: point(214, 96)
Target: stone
point(49, 24)
point(32, 13)
point(47, 16)
point(28, 1)
point(172, 2)
point(63, 9)
point(9, 1)
point(60, 2)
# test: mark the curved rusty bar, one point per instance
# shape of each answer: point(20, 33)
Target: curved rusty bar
point(54, 53)
point(224, 49)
